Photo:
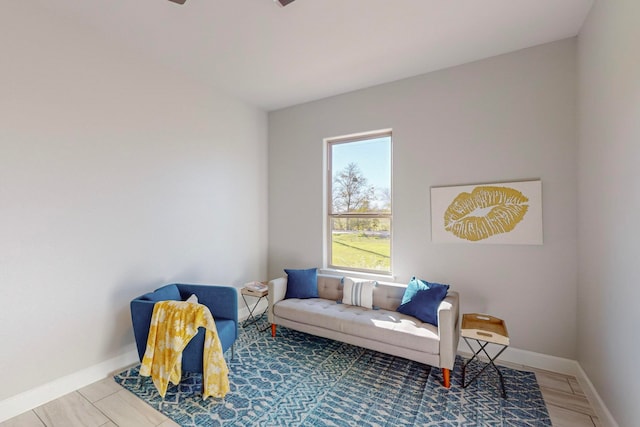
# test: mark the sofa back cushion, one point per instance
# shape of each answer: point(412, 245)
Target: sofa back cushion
point(330, 287)
point(386, 295)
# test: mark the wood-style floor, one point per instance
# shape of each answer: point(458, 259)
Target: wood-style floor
point(107, 404)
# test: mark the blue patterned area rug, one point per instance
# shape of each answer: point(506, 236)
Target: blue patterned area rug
point(302, 380)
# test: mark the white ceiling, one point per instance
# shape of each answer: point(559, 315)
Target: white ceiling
point(274, 57)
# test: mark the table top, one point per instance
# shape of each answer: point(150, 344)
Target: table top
point(484, 327)
point(254, 292)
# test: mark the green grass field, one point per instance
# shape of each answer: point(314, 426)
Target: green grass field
point(358, 250)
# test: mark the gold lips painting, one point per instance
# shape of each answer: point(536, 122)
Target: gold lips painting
point(496, 213)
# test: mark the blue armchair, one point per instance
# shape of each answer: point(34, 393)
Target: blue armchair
point(222, 302)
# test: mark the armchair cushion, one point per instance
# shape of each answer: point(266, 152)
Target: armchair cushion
point(165, 293)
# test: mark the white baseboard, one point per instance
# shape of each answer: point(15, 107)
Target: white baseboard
point(243, 311)
point(605, 417)
point(553, 364)
point(40, 395)
point(30, 399)
point(529, 358)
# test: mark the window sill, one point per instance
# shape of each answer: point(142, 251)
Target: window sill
point(360, 275)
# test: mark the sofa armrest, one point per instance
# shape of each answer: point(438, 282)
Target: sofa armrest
point(277, 292)
point(449, 329)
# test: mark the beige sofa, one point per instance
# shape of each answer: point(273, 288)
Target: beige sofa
point(382, 328)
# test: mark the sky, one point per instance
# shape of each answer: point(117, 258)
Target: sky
point(373, 157)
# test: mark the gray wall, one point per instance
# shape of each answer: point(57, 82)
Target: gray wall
point(116, 176)
point(506, 118)
point(609, 202)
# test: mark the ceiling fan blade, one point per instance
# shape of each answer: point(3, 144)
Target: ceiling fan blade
point(283, 3)
point(178, 1)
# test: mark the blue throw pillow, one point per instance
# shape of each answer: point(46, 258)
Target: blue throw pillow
point(424, 304)
point(416, 285)
point(302, 283)
point(165, 293)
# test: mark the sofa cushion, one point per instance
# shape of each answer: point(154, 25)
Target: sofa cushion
point(330, 287)
point(358, 292)
point(424, 305)
point(165, 293)
point(382, 325)
point(386, 295)
point(302, 283)
point(416, 285)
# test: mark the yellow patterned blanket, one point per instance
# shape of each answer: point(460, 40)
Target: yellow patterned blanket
point(173, 324)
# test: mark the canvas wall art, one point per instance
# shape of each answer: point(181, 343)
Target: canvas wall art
point(497, 213)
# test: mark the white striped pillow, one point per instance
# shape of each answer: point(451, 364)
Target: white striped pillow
point(359, 292)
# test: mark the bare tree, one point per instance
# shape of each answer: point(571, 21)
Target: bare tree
point(351, 190)
point(384, 198)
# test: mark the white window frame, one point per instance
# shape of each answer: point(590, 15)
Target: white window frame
point(329, 215)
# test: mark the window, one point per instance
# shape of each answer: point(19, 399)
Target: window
point(359, 203)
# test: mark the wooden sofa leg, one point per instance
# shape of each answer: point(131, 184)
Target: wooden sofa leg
point(446, 375)
point(273, 330)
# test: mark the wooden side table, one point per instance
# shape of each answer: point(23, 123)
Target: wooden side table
point(484, 329)
point(259, 294)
